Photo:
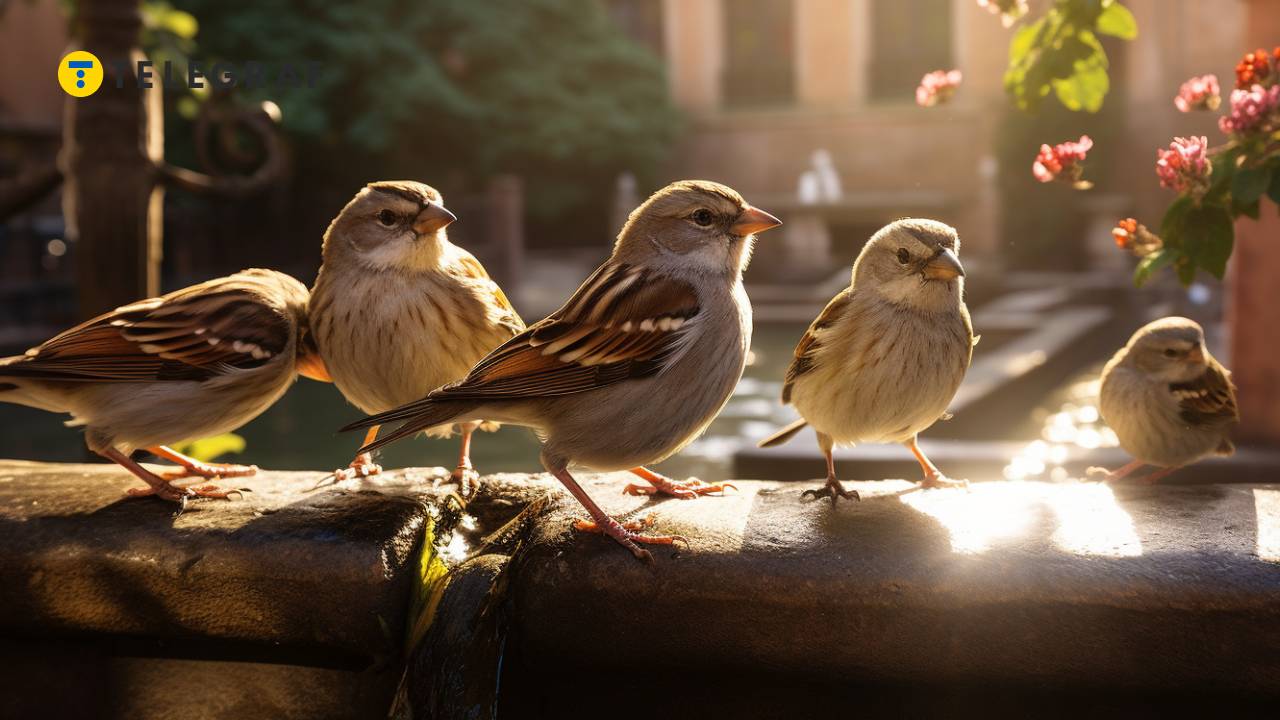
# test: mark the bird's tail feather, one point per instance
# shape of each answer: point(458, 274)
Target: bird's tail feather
point(783, 435)
point(418, 416)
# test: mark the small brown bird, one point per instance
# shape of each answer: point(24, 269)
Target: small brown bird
point(398, 310)
point(636, 364)
point(1168, 400)
point(883, 360)
point(197, 362)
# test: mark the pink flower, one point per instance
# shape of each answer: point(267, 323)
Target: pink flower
point(1199, 93)
point(937, 87)
point(1008, 10)
point(1062, 162)
point(1250, 108)
point(1184, 167)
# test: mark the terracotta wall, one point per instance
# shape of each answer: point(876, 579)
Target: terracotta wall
point(33, 36)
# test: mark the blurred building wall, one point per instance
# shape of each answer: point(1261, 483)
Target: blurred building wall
point(33, 35)
point(851, 67)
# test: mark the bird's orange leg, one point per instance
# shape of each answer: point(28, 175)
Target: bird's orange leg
point(465, 473)
point(933, 477)
point(363, 465)
point(161, 487)
point(628, 536)
point(683, 489)
point(192, 467)
point(1156, 476)
point(1105, 475)
point(833, 488)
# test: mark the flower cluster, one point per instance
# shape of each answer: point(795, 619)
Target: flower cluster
point(1250, 109)
point(1184, 167)
point(937, 87)
point(1136, 238)
point(1062, 162)
point(1199, 93)
point(1008, 10)
point(1256, 68)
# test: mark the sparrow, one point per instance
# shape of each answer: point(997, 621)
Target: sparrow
point(884, 358)
point(397, 310)
point(1168, 400)
point(197, 362)
point(637, 362)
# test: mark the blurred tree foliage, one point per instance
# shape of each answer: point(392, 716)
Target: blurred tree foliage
point(452, 91)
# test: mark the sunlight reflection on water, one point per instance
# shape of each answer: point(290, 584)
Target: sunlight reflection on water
point(1076, 423)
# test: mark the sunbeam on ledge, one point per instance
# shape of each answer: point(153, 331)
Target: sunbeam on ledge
point(1266, 504)
point(1089, 520)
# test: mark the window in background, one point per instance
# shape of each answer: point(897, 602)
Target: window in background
point(759, 53)
point(908, 39)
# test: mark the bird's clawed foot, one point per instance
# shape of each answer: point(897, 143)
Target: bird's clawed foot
point(181, 494)
point(210, 471)
point(683, 489)
point(468, 481)
point(362, 467)
point(629, 534)
point(834, 490)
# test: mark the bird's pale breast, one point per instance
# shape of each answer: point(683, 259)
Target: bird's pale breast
point(884, 373)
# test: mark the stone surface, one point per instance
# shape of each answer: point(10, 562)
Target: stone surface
point(1003, 598)
point(1070, 588)
point(292, 597)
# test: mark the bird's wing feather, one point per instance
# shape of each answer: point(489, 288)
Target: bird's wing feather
point(624, 322)
point(470, 268)
point(1208, 399)
point(808, 346)
point(192, 334)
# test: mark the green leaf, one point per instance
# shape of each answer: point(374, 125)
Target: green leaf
point(1273, 190)
point(1186, 271)
point(1174, 217)
point(1209, 237)
point(1248, 185)
point(1151, 263)
point(1087, 85)
point(212, 448)
point(182, 24)
point(1117, 21)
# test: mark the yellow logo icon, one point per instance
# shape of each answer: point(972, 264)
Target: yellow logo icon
point(80, 73)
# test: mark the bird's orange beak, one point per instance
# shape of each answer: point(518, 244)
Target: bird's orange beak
point(944, 266)
point(754, 220)
point(431, 218)
point(1195, 356)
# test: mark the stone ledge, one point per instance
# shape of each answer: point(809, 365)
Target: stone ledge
point(324, 571)
point(1070, 587)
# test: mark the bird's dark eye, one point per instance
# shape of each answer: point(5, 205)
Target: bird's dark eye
point(703, 217)
point(904, 257)
point(386, 217)
point(1170, 352)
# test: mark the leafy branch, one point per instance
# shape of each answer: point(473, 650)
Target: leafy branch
point(1061, 53)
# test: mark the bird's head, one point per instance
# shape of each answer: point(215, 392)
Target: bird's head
point(693, 225)
point(1170, 349)
point(390, 225)
point(913, 262)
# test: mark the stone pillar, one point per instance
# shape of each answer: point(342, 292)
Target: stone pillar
point(695, 52)
point(113, 141)
point(824, 52)
point(1252, 308)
